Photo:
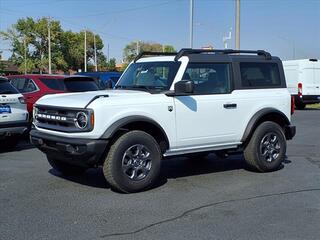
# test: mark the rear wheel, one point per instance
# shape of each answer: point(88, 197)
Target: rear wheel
point(133, 162)
point(267, 147)
point(65, 168)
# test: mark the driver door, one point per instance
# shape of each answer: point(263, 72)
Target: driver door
point(209, 115)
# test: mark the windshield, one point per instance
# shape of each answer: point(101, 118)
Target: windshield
point(150, 76)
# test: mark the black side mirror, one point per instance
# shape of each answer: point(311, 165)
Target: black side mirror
point(184, 87)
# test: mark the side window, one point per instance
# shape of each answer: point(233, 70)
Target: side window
point(24, 85)
point(18, 83)
point(209, 78)
point(259, 74)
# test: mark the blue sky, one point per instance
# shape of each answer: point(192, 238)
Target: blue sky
point(286, 28)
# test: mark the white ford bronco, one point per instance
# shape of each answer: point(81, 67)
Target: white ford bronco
point(192, 102)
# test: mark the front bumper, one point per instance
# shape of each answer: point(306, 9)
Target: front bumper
point(76, 151)
point(13, 128)
point(290, 131)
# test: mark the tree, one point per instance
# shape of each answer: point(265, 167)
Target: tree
point(111, 66)
point(31, 36)
point(67, 47)
point(130, 50)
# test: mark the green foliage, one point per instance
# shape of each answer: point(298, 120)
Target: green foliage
point(111, 66)
point(67, 47)
point(130, 51)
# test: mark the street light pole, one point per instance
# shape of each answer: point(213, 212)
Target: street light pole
point(191, 24)
point(238, 24)
point(137, 50)
point(49, 46)
point(25, 54)
point(95, 52)
point(85, 50)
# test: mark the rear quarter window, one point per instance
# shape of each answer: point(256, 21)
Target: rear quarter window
point(7, 88)
point(80, 85)
point(260, 75)
point(54, 84)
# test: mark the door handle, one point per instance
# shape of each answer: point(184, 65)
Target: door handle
point(230, 105)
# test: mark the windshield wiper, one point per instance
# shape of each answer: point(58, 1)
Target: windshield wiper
point(140, 87)
point(133, 87)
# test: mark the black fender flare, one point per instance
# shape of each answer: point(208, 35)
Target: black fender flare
point(109, 133)
point(257, 117)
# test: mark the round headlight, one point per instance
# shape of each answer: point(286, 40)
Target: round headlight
point(81, 120)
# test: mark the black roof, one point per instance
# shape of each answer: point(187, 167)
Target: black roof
point(209, 53)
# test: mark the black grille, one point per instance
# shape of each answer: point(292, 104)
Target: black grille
point(59, 119)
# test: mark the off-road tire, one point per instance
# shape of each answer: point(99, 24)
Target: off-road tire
point(65, 168)
point(113, 165)
point(252, 152)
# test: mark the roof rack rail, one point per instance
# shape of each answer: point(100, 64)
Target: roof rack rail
point(140, 55)
point(187, 51)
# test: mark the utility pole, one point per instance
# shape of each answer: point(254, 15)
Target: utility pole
point(137, 50)
point(191, 24)
point(237, 24)
point(49, 45)
point(95, 52)
point(85, 50)
point(108, 56)
point(25, 54)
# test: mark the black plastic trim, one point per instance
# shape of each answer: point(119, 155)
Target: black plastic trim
point(89, 151)
point(255, 119)
point(188, 51)
point(290, 131)
point(96, 97)
point(124, 121)
point(73, 129)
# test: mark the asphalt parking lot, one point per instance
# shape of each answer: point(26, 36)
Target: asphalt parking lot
point(195, 199)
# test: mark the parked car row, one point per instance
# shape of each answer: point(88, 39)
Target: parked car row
point(34, 86)
point(18, 94)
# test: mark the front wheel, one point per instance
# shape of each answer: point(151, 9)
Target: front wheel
point(267, 147)
point(133, 162)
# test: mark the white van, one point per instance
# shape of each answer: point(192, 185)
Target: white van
point(303, 80)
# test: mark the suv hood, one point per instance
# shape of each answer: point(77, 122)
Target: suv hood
point(82, 99)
